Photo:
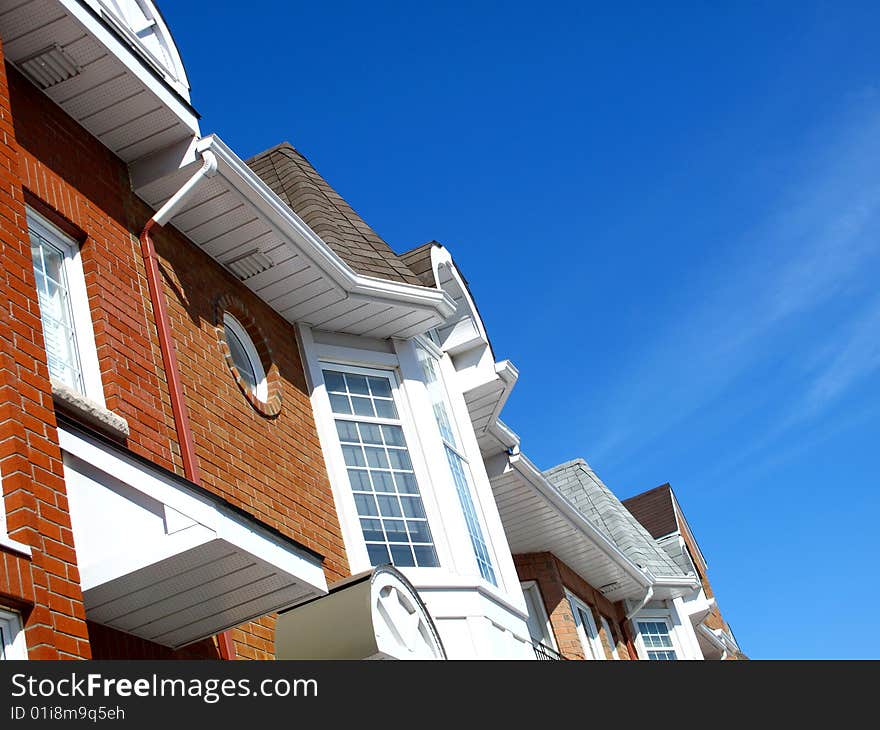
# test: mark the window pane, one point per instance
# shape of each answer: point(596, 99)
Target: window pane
point(240, 358)
point(401, 555)
point(357, 384)
point(380, 469)
point(56, 314)
point(426, 556)
point(380, 387)
point(385, 409)
point(334, 381)
point(378, 554)
point(475, 531)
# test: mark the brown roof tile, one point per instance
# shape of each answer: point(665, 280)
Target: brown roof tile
point(655, 510)
point(293, 179)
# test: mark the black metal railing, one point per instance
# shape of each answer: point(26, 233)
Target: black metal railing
point(545, 653)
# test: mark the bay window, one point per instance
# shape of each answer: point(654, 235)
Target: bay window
point(458, 464)
point(380, 471)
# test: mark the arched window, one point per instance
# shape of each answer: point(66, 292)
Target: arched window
point(245, 357)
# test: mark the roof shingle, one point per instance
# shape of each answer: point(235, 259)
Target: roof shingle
point(293, 179)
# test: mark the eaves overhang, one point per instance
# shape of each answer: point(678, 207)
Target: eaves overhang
point(234, 217)
point(166, 560)
point(96, 77)
point(538, 518)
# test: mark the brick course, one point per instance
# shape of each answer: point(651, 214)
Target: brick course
point(553, 578)
point(269, 464)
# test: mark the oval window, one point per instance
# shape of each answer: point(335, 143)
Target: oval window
point(245, 357)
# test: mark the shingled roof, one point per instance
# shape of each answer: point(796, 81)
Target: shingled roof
point(293, 179)
point(655, 510)
point(418, 260)
point(582, 487)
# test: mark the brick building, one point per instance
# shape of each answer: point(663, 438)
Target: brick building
point(228, 408)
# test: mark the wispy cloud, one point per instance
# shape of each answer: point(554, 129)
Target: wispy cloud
point(813, 265)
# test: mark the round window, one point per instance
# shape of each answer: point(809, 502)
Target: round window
point(245, 357)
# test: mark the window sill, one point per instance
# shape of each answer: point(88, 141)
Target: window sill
point(77, 405)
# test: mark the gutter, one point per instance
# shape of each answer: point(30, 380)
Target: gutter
point(166, 343)
point(290, 226)
point(522, 464)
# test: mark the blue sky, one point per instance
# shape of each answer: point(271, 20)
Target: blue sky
point(670, 217)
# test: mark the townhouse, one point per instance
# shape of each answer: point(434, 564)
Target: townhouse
point(235, 424)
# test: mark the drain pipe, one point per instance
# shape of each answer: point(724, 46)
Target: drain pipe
point(649, 594)
point(166, 344)
point(160, 311)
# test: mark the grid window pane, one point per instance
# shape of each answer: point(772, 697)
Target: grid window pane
point(380, 472)
point(457, 465)
point(56, 314)
point(657, 641)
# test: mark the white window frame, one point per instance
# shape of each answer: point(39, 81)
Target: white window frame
point(84, 332)
point(656, 617)
point(588, 635)
point(261, 391)
point(456, 446)
point(14, 646)
point(348, 514)
point(606, 625)
point(531, 589)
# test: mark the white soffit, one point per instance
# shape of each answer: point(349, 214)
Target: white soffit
point(375, 615)
point(537, 518)
point(234, 216)
point(164, 561)
point(106, 86)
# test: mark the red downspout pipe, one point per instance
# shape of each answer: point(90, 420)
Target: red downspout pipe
point(166, 344)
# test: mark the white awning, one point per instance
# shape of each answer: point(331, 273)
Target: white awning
point(374, 615)
point(169, 562)
point(107, 84)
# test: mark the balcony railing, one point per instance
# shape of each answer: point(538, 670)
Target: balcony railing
point(545, 653)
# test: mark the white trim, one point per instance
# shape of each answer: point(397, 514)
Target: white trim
point(531, 587)
point(168, 96)
point(224, 522)
point(14, 646)
point(589, 636)
point(656, 616)
point(84, 333)
point(261, 391)
point(435, 302)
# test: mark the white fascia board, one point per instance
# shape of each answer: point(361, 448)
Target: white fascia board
point(504, 434)
point(120, 50)
point(535, 477)
point(249, 185)
point(675, 586)
point(712, 637)
point(225, 523)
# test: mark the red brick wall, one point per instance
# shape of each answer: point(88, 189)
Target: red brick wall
point(270, 466)
point(553, 578)
point(45, 588)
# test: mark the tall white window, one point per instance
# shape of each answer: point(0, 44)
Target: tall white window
point(64, 308)
point(380, 472)
point(539, 624)
point(657, 640)
point(457, 465)
point(12, 644)
point(586, 628)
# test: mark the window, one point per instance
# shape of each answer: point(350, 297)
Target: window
point(612, 641)
point(64, 308)
point(657, 641)
point(457, 465)
point(539, 625)
point(586, 628)
point(245, 357)
point(380, 472)
point(12, 644)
